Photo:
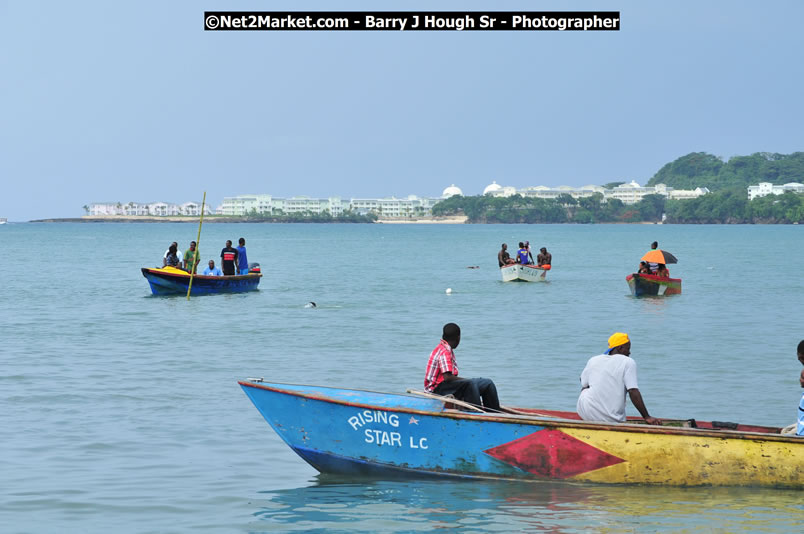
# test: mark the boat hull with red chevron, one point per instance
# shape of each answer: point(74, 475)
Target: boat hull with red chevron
point(356, 432)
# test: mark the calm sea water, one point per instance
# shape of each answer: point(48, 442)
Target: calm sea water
point(120, 411)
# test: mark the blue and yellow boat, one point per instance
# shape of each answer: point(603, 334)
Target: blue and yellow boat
point(173, 281)
point(355, 432)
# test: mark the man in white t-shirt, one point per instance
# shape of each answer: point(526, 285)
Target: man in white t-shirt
point(605, 381)
point(178, 252)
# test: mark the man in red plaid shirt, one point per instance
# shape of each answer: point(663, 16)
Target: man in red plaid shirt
point(441, 376)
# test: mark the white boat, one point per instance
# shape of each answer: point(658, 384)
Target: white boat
point(523, 273)
point(3, 220)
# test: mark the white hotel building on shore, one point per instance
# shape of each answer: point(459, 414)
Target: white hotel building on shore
point(629, 193)
point(766, 188)
point(153, 209)
point(413, 206)
point(385, 208)
point(390, 207)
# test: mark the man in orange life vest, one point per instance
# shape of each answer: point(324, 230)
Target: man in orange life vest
point(229, 259)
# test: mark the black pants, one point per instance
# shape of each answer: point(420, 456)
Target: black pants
point(471, 390)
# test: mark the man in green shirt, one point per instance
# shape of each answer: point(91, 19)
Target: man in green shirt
point(191, 258)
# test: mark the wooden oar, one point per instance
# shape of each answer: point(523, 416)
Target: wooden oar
point(442, 398)
point(520, 412)
point(503, 409)
point(197, 247)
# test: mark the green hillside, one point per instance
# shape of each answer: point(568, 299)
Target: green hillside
point(700, 169)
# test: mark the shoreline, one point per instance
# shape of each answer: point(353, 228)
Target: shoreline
point(459, 219)
point(452, 219)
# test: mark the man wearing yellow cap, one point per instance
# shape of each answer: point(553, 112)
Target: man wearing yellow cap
point(605, 381)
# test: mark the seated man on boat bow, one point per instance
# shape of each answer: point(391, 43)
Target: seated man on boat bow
point(441, 376)
point(503, 258)
point(605, 381)
point(544, 258)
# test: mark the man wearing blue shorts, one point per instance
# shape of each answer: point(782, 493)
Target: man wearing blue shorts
point(242, 260)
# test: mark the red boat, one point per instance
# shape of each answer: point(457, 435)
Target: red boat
point(652, 285)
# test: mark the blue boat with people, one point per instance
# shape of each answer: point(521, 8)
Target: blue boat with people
point(420, 434)
point(173, 281)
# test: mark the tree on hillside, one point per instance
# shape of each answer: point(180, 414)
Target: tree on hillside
point(705, 170)
point(697, 169)
point(763, 167)
point(651, 207)
point(565, 199)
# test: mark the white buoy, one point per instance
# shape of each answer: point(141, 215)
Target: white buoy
point(449, 290)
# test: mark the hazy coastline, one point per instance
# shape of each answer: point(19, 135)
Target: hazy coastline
point(452, 219)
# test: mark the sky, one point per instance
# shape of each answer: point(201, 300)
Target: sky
point(134, 101)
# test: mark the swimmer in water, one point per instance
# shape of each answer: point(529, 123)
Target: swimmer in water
point(310, 304)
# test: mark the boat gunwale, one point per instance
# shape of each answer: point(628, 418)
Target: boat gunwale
point(157, 271)
point(652, 278)
point(524, 265)
point(533, 420)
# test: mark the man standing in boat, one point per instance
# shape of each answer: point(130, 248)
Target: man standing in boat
point(441, 376)
point(522, 254)
point(654, 265)
point(605, 381)
point(191, 258)
point(242, 259)
point(229, 259)
point(178, 252)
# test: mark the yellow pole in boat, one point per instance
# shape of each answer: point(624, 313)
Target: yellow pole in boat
point(194, 266)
